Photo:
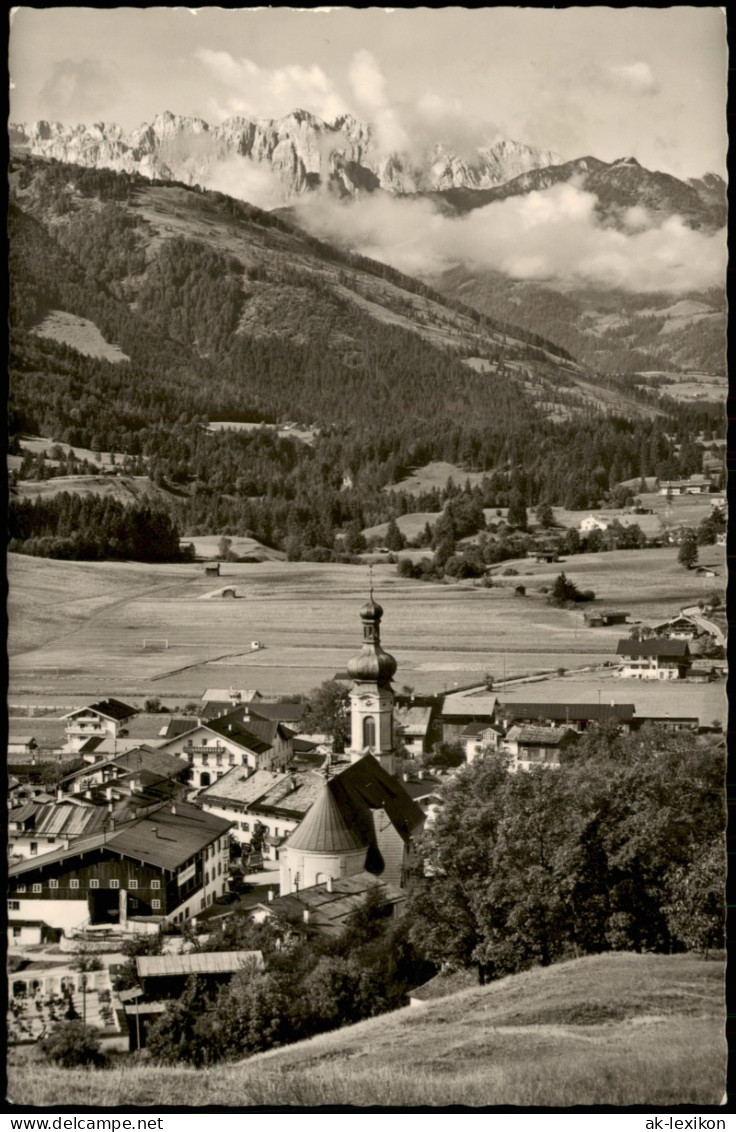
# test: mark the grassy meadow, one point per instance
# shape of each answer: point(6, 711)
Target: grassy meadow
point(619, 1029)
point(78, 628)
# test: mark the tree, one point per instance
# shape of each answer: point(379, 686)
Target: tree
point(223, 549)
point(395, 540)
point(327, 713)
point(688, 552)
point(516, 516)
point(545, 516)
point(71, 1044)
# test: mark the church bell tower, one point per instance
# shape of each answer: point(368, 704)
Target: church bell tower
point(372, 699)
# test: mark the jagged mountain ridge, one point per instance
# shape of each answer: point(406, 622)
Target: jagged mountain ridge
point(618, 185)
point(303, 152)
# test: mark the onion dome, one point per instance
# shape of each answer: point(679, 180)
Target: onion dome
point(372, 663)
point(325, 829)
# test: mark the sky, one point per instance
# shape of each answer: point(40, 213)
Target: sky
point(609, 82)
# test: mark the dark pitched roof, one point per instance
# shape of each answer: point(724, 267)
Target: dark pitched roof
point(112, 709)
point(568, 713)
point(167, 839)
point(180, 726)
point(365, 786)
point(654, 646)
point(330, 909)
point(160, 838)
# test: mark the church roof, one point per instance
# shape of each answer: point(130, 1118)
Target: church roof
point(326, 829)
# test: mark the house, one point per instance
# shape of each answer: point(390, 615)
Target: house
point(461, 708)
point(104, 719)
point(36, 828)
point(593, 523)
point(670, 722)
point(537, 746)
point(212, 569)
point(413, 727)
point(160, 868)
point(165, 976)
point(702, 672)
point(217, 701)
point(599, 618)
point(326, 908)
point(680, 628)
point(274, 800)
point(577, 716)
point(656, 658)
point(238, 739)
point(479, 737)
point(426, 790)
point(694, 485)
point(123, 767)
point(21, 745)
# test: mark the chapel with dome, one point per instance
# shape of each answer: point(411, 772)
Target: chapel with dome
point(363, 820)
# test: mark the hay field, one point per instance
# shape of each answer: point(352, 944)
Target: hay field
point(125, 489)
point(77, 629)
point(79, 333)
point(618, 1029)
point(433, 475)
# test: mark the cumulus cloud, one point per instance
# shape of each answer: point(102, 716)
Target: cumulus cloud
point(262, 92)
point(242, 178)
point(549, 235)
point(638, 77)
point(79, 88)
point(369, 90)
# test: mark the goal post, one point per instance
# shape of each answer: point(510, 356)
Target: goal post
point(157, 644)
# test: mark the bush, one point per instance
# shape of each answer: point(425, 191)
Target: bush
point(71, 1044)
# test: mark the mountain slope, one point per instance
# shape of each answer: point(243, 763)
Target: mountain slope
point(618, 1029)
point(302, 151)
point(618, 186)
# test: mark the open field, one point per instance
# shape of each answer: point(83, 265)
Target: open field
point(618, 1029)
point(77, 629)
point(79, 333)
point(208, 546)
point(293, 432)
point(45, 444)
point(125, 489)
point(434, 475)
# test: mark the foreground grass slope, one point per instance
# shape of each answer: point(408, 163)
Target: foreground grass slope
point(619, 1029)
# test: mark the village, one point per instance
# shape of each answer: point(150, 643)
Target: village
point(132, 823)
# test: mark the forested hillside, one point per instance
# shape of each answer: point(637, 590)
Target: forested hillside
point(228, 313)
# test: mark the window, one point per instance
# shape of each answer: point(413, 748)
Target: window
point(14, 905)
point(53, 883)
point(94, 883)
point(244, 825)
point(155, 903)
point(34, 847)
point(369, 731)
point(74, 883)
point(132, 882)
point(133, 902)
point(38, 888)
point(114, 884)
point(155, 884)
point(21, 888)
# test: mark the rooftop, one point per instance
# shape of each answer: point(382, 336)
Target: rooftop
point(469, 704)
point(110, 709)
point(330, 910)
point(654, 646)
point(571, 713)
point(197, 963)
point(542, 736)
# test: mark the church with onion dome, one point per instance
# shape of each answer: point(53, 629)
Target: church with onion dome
point(363, 820)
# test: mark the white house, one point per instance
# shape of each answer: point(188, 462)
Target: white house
point(101, 720)
point(234, 740)
point(656, 658)
point(593, 523)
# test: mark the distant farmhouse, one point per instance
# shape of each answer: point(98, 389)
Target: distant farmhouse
point(657, 658)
